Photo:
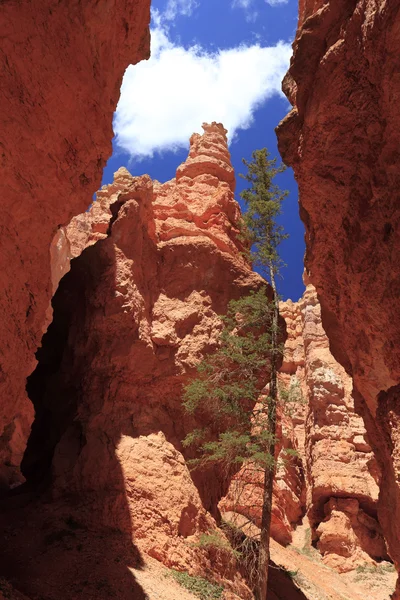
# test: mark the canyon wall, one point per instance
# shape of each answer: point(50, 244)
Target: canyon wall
point(62, 67)
point(342, 139)
point(155, 265)
point(333, 481)
point(341, 470)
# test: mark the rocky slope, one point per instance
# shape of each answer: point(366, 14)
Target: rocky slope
point(342, 139)
point(62, 66)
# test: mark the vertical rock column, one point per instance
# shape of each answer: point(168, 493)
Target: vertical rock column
point(342, 472)
point(158, 265)
point(335, 478)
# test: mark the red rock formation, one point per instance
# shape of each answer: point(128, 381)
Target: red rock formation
point(342, 473)
point(244, 497)
point(335, 478)
point(62, 65)
point(85, 229)
point(207, 156)
point(342, 139)
point(132, 318)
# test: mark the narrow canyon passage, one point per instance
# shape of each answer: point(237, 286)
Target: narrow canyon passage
point(130, 320)
point(110, 507)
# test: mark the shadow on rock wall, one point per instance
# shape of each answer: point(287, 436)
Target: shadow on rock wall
point(67, 531)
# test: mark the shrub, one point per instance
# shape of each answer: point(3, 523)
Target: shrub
point(200, 587)
point(214, 541)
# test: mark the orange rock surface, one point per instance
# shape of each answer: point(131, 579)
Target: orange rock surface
point(132, 318)
point(244, 497)
point(335, 477)
point(342, 139)
point(147, 272)
point(62, 66)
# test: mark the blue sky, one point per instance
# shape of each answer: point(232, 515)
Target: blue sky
point(217, 60)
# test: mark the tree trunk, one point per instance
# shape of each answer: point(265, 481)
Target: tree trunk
point(264, 552)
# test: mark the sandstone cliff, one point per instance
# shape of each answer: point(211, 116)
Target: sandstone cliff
point(342, 139)
point(62, 66)
point(333, 483)
point(155, 265)
point(342, 473)
point(142, 278)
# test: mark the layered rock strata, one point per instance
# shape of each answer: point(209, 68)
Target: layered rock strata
point(342, 139)
point(342, 473)
point(62, 66)
point(334, 480)
point(132, 318)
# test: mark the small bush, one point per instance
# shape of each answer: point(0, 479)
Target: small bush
point(292, 574)
point(214, 541)
point(198, 586)
point(380, 569)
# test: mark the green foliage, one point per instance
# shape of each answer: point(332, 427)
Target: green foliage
point(263, 200)
point(212, 539)
point(290, 452)
point(292, 574)
point(228, 386)
point(380, 569)
point(200, 587)
point(215, 541)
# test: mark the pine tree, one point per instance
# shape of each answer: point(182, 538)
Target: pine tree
point(264, 205)
point(227, 390)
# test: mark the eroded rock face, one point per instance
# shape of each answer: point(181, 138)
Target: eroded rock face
point(335, 477)
point(342, 472)
point(208, 156)
point(245, 493)
point(348, 537)
point(139, 308)
point(340, 457)
point(342, 138)
point(62, 65)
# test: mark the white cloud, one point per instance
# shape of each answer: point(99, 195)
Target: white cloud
point(165, 99)
point(242, 3)
point(179, 7)
point(247, 4)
